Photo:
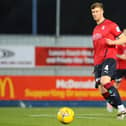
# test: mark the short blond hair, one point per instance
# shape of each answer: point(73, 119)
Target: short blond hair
point(96, 4)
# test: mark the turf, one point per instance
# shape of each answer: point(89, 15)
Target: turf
point(47, 117)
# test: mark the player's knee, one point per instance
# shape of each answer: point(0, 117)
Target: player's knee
point(105, 79)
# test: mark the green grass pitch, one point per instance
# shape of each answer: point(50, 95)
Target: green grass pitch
point(46, 116)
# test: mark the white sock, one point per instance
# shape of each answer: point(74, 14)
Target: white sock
point(109, 107)
point(121, 108)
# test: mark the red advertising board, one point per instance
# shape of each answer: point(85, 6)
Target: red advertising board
point(51, 88)
point(48, 56)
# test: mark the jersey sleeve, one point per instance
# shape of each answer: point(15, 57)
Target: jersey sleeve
point(119, 49)
point(115, 30)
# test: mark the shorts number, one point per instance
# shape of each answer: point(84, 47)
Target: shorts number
point(106, 67)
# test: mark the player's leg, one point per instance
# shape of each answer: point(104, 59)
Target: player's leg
point(106, 95)
point(108, 70)
point(116, 84)
point(109, 107)
point(104, 92)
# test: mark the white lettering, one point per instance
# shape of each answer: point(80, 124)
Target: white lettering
point(75, 84)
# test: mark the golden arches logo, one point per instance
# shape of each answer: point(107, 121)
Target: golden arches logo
point(3, 83)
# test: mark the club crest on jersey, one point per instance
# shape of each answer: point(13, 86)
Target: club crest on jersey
point(103, 27)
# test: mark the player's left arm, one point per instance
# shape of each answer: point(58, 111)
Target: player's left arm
point(121, 40)
point(122, 56)
point(115, 30)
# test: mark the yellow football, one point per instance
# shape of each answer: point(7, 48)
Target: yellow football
point(65, 115)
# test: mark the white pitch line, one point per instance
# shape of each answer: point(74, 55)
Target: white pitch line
point(42, 115)
point(82, 117)
point(79, 116)
point(92, 114)
point(49, 115)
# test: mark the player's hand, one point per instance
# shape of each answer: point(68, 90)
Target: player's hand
point(110, 42)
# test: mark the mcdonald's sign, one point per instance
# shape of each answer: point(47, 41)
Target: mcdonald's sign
point(43, 88)
point(3, 83)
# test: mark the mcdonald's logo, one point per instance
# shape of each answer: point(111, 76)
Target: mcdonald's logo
point(3, 83)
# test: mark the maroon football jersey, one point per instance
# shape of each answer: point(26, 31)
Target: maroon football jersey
point(106, 30)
